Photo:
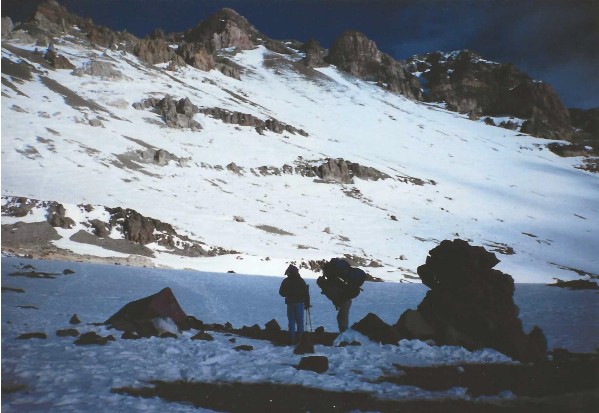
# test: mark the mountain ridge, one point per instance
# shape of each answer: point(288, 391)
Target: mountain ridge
point(229, 181)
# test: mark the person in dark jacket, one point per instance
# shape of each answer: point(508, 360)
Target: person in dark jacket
point(297, 297)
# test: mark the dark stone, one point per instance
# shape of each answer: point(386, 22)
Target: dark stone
point(411, 325)
point(68, 272)
point(314, 54)
point(141, 312)
point(27, 336)
point(203, 336)
point(100, 229)
point(74, 320)
point(272, 325)
point(243, 347)
point(56, 216)
point(128, 335)
point(318, 364)
point(69, 332)
point(195, 323)
point(376, 329)
point(252, 331)
point(305, 345)
point(470, 304)
point(92, 338)
point(233, 340)
point(168, 335)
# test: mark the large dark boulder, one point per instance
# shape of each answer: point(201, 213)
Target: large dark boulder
point(356, 54)
point(470, 304)
point(138, 315)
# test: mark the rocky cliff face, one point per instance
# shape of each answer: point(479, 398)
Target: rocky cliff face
point(354, 53)
point(470, 84)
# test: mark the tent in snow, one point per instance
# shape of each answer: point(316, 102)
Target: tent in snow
point(139, 315)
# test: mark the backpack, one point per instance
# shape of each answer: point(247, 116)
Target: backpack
point(340, 281)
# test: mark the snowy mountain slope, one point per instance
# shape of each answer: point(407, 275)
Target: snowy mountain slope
point(450, 177)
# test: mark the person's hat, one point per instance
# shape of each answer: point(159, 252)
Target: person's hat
point(291, 270)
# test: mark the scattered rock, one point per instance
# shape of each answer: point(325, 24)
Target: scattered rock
point(68, 272)
point(272, 325)
point(318, 364)
point(168, 335)
point(305, 345)
point(98, 68)
point(376, 329)
point(129, 335)
point(27, 336)
point(11, 289)
point(57, 61)
point(68, 332)
point(93, 338)
point(202, 336)
point(74, 320)
point(195, 323)
point(243, 347)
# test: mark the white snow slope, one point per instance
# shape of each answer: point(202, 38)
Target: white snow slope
point(493, 187)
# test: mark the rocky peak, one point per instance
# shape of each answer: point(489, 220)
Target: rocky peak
point(227, 28)
point(468, 83)
point(52, 19)
point(356, 54)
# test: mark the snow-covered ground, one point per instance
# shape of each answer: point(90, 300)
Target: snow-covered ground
point(61, 376)
point(488, 185)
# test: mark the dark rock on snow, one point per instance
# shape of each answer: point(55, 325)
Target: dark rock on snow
point(92, 338)
point(68, 332)
point(272, 325)
point(470, 304)
point(376, 329)
point(27, 336)
point(202, 336)
point(244, 347)
point(305, 345)
point(74, 320)
point(138, 315)
point(318, 364)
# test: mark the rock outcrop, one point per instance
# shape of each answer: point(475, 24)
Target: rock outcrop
point(467, 83)
point(314, 54)
point(354, 53)
point(470, 304)
point(57, 61)
point(342, 171)
point(245, 119)
point(175, 114)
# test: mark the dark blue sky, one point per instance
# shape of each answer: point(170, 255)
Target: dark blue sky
point(556, 41)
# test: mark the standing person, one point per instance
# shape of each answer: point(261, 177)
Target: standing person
point(295, 291)
point(343, 315)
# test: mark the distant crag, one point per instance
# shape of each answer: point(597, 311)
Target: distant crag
point(354, 53)
point(467, 83)
point(470, 304)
